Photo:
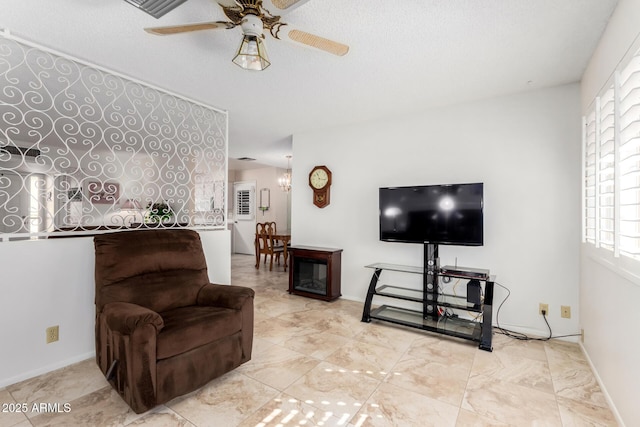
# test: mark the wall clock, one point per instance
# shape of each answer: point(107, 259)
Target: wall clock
point(320, 182)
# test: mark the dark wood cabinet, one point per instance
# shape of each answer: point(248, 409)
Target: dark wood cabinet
point(315, 272)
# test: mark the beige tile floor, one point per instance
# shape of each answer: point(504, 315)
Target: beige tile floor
point(317, 364)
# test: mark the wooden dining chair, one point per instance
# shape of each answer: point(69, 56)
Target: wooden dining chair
point(266, 244)
point(272, 226)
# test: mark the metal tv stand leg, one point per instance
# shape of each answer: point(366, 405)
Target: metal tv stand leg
point(370, 293)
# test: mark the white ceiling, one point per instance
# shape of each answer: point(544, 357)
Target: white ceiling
point(404, 56)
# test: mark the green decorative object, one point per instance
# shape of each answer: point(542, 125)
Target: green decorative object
point(158, 212)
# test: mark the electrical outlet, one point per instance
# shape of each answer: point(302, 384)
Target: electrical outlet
point(544, 307)
point(565, 311)
point(53, 334)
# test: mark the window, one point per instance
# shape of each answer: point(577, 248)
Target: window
point(590, 178)
point(611, 166)
point(606, 172)
point(244, 204)
point(629, 162)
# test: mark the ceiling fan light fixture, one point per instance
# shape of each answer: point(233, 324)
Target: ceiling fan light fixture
point(252, 54)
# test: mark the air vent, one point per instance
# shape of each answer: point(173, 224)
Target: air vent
point(20, 151)
point(245, 159)
point(156, 8)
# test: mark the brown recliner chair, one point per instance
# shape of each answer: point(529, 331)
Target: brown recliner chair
point(162, 330)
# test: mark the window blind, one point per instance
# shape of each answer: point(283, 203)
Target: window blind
point(590, 179)
point(243, 204)
point(611, 165)
point(629, 125)
point(606, 171)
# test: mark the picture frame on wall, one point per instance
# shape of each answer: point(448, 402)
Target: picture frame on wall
point(103, 193)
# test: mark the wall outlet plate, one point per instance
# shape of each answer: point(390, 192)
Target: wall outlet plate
point(544, 307)
point(53, 334)
point(565, 311)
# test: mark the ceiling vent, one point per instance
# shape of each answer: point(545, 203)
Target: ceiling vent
point(156, 8)
point(20, 151)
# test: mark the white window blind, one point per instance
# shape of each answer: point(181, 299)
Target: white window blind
point(629, 125)
point(606, 171)
point(611, 165)
point(590, 179)
point(244, 208)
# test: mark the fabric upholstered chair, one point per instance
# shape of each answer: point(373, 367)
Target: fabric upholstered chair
point(162, 330)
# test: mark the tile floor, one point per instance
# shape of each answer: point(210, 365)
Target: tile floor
point(316, 364)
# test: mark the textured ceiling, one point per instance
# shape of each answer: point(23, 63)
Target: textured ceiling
point(405, 56)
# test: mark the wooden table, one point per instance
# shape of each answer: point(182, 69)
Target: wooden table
point(284, 237)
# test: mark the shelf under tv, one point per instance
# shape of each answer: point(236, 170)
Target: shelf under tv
point(445, 313)
point(416, 295)
point(452, 326)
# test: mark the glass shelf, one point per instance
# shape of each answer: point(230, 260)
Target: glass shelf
point(453, 326)
point(484, 277)
point(457, 302)
point(396, 267)
point(416, 295)
point(407, 294)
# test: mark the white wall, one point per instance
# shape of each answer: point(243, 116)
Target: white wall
point(526, 150)
point(50, 282)
point(618, 37)
point(609, 302)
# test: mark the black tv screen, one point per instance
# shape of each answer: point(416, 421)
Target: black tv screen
point(443, 214)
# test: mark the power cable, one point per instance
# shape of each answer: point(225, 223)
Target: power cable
point(519, 335)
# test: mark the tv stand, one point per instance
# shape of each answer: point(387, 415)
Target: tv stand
point(437, 313)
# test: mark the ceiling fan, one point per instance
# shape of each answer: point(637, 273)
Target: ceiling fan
point(255, 16)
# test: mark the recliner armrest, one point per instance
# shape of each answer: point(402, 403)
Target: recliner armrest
point(228, 296)
point(125, 317)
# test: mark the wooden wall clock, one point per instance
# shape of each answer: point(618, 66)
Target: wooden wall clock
point(320, 182)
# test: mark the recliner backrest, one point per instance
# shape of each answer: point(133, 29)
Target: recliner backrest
point(157, 269)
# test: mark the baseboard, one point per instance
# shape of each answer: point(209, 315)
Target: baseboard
point(4, 382)
point(612, 405)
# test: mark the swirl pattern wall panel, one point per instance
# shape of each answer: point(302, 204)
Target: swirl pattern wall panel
point(85, 149)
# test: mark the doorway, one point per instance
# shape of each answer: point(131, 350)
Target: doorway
point(22, 209)
point(244, 221)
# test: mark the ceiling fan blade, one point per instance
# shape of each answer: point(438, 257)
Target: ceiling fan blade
point(317, 42)
point(227, 3)
point(176, 29)
point(281, 7)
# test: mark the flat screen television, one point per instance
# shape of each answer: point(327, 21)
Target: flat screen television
point(442, 214)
